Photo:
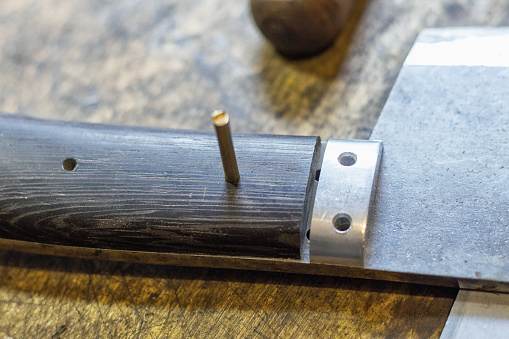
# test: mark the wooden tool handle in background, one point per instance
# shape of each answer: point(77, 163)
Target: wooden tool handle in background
point(300, 28)
point(143, 189)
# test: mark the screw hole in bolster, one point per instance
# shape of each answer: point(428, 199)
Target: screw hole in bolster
point(69, 164)
point(347, 158)
point(342, 222)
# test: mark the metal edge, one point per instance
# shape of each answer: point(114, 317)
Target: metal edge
point(478, 315)
point(220, 261)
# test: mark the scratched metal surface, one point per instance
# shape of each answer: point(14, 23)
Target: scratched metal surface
point(478, 315)
point(442, 203)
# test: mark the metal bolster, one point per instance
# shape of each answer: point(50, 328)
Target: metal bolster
point(346, 186)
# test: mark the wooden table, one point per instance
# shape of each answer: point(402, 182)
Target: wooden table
point(169, 64)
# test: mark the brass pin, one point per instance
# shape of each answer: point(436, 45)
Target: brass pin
point(221, 122)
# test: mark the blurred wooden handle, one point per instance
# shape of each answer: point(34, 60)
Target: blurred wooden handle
point(300, 28)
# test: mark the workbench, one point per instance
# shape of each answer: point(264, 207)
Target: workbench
point(170, 64)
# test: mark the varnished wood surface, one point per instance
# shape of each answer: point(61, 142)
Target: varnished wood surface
point(45, 297)
point(169, 64)
point(142, 189)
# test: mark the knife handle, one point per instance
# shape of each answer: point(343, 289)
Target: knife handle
point(152, 190)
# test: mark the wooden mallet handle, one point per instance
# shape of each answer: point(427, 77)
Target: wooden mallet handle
point(300, 28)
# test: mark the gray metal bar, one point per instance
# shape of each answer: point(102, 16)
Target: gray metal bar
point(478, 315)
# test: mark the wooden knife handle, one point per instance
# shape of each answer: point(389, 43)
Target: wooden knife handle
point(143, 189)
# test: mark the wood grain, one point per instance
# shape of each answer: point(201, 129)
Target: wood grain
point(141, 189)
point(47, 296)
point(169, 64)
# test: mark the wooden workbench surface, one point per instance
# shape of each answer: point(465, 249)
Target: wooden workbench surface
point(169, 64)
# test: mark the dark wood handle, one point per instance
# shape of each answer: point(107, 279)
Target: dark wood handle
point(142, 189)
point(300, 28)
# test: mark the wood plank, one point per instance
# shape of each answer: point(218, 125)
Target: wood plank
point(47, 296)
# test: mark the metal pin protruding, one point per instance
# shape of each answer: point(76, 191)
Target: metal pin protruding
point(221, 122)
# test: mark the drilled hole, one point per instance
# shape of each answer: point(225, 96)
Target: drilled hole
point(347, 158)
point(308, 234)
point(342, 222)
point(317, 175)
point(70, 164)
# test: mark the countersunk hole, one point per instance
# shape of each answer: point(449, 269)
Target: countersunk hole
point(342, 222)
point(347, 158)
point(70, 164)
